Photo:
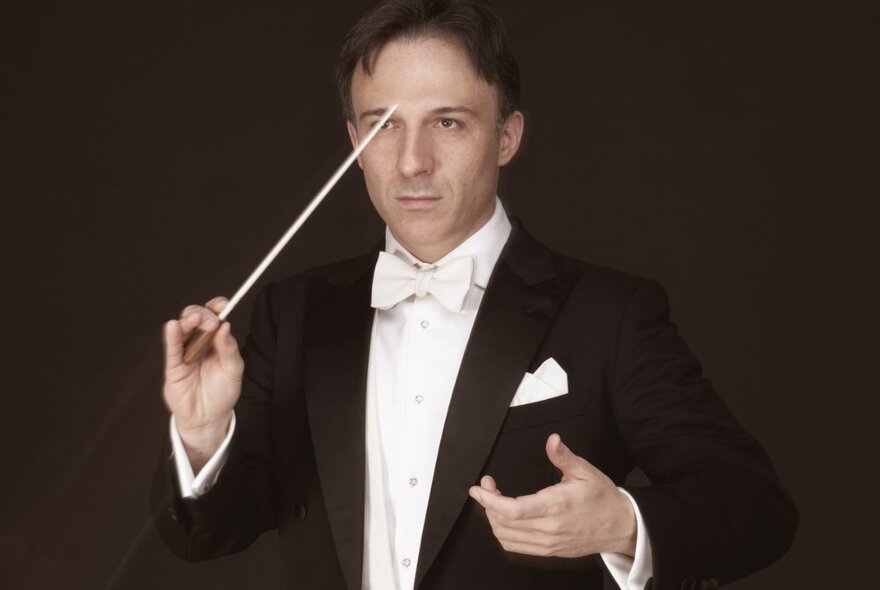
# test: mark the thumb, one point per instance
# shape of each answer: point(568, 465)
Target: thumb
point(227, 349)
point(571, 466)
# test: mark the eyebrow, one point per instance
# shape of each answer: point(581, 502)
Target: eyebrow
point(438, 111)
point(453, 110)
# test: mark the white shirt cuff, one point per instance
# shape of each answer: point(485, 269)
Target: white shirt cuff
point(632, 573)
point(192, 486)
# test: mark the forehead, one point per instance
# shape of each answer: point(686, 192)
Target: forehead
point(420, 73)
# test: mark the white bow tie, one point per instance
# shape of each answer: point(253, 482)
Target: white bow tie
point(394, 280)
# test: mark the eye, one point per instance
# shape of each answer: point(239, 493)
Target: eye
point(449, 124)
point(386, 126)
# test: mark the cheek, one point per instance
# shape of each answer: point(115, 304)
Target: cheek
point(381, 152)
point(474, 177)
point(378, 152)
point(476, 163)
point(374, 185)
point(375, 192)
point(375, 176)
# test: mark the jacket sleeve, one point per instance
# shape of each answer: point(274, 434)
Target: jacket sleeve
point(716, 510)
point(240, 505)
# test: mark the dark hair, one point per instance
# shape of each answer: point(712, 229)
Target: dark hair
point(473, 24)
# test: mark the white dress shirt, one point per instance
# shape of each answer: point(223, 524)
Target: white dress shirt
point(415, 354)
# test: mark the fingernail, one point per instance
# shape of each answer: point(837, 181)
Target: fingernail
point(476, 496)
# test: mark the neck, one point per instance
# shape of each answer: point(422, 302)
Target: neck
point(430, 253)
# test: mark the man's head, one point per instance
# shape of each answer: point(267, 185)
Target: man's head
point(432, 173)
point(471, 24)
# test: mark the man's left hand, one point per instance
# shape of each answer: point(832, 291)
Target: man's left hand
point(583, 514)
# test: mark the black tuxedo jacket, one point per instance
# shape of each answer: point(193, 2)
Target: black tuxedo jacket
point(714, 513)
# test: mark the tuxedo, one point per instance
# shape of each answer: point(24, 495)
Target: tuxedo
point(637, 397)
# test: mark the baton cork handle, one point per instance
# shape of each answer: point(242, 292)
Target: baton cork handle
point(198, 345)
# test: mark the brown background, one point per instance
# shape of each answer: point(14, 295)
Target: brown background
point(152, 153)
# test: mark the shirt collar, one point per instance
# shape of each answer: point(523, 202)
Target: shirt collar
point(485, 245)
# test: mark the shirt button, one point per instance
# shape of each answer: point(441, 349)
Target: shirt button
point(425, 324)
point(406, 562)
point(419, 399)
point(413, 481)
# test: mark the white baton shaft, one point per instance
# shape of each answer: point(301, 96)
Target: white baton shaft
point(197, 345)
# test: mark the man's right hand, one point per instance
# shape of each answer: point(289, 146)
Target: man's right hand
point(201, 395)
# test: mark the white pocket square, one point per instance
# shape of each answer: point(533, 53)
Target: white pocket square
point(549, 381)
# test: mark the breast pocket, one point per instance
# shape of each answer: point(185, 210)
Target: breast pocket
point(574, 403)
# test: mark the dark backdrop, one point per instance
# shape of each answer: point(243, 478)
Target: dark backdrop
point(152, 153)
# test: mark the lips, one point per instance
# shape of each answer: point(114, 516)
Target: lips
point(418, 201)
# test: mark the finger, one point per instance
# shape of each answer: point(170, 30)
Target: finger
point(524, 507)
point(198, 317)
point(538, 537)
point(217, 304)
point(190, 319)
point(487, 482)
point(571, 466)
point(520, 528)
point(191, 309)
point(172, 334)
point(524, 548)
point(210, 322)
point(477, 493)
point(521, 534)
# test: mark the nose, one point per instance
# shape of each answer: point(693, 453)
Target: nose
point(416, 156)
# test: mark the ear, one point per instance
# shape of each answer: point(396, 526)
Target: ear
point(511, 135)
point(353, 136)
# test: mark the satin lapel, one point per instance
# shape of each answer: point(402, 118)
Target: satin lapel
point(519, 307)
point(338, 324)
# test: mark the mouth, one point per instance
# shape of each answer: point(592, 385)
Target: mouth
point(418, 201)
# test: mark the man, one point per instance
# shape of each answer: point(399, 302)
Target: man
point(458, 409)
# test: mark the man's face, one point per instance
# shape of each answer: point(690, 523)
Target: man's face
point(432, 172)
